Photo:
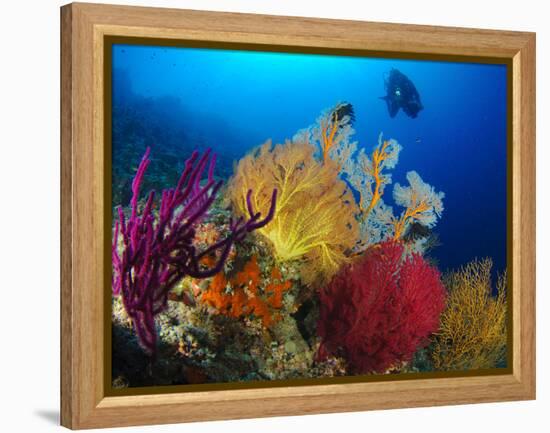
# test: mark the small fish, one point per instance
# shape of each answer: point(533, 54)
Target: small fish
point(418, 140)
point(417, 231)
point(300, 317)
point(341, 110)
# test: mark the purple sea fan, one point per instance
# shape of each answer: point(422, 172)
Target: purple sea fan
point(151, 254)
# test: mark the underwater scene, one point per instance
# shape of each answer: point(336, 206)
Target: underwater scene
point(282, 216)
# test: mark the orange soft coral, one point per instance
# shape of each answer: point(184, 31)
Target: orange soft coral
point(247, 297)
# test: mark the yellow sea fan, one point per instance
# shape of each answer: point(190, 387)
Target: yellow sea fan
point(473, 326)
point(314, 219)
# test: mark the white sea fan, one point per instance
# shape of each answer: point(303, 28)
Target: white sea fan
point(342, 148)
point(392, 150)
point(378, 225)
point(417, 193)
point(343, 153)
point(360, 170)
point(302, 136)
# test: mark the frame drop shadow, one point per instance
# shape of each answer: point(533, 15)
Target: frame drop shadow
point(49, 415)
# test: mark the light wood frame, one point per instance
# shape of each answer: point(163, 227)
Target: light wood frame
point(83, 400)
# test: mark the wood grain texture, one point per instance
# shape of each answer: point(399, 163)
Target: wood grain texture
point(524, 215)
point(83, 400)
point(67, 388)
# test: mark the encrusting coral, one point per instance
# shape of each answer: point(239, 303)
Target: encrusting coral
point(377, 312)
point(248, 296)
point(473, 333)
point(150, 254)
point(315, 217)
point(332, 282)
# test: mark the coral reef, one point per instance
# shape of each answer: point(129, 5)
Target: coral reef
point(377, 312)
point(248, 296)
point(314, 221)
point(473, 326)
point(150, 255)
point(330, 283)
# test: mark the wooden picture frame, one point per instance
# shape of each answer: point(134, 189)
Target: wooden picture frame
point(84, 29)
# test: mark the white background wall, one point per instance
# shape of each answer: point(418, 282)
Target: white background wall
point(29, 213)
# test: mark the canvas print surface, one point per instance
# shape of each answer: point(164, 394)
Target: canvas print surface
point(282, 216)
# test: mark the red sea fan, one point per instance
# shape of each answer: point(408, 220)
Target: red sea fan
point(379, 311)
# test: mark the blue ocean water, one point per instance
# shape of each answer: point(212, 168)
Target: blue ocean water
point(234, 100)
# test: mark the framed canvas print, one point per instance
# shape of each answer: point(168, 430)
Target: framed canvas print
point(310, 215)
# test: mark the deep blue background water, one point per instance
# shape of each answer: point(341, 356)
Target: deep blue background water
point(235, 100)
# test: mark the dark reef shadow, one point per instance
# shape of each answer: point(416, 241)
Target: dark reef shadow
point(50, 415)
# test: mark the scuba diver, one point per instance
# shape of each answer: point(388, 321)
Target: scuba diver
point(401, 93)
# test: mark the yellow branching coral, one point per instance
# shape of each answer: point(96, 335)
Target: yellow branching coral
point(314, 220)
point(473, 326)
